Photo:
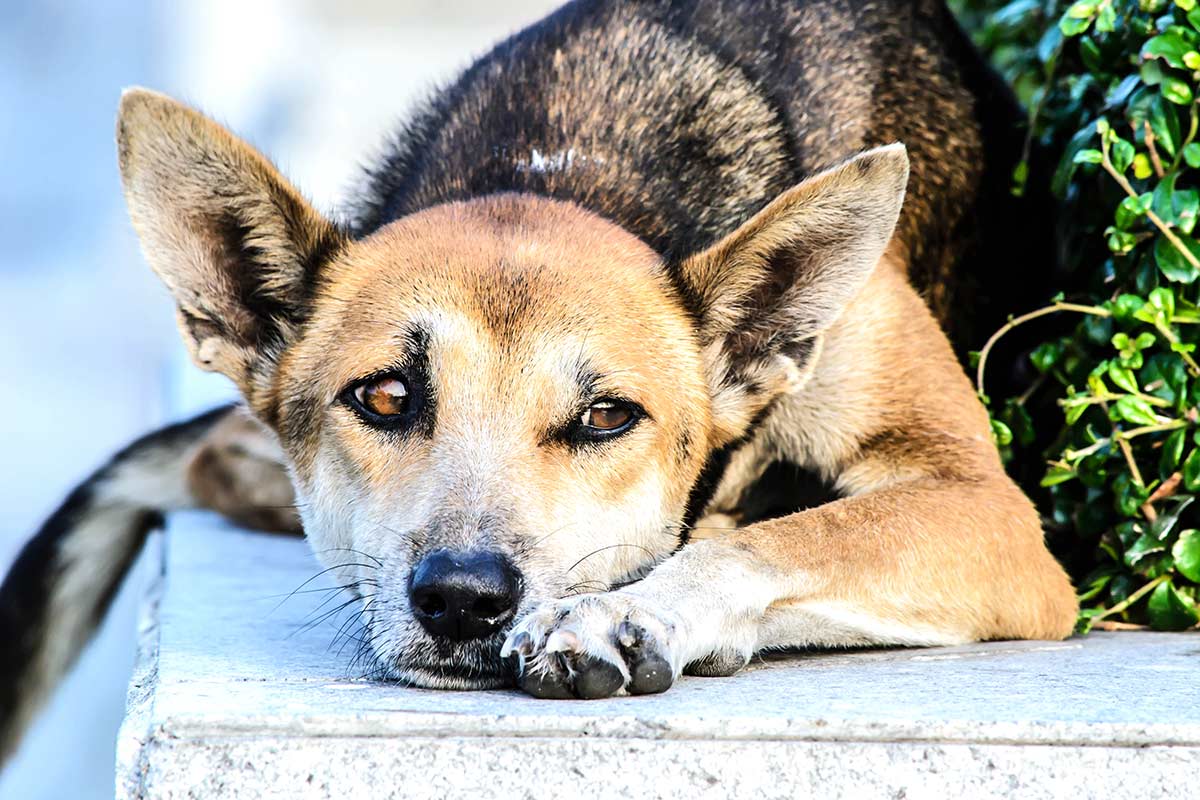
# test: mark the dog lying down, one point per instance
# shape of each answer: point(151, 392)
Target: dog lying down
point(617, 370)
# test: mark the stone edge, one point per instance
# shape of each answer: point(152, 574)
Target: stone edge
point(135, 734)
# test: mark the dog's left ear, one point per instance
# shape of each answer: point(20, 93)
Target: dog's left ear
point(765, 293)
point(235, 243)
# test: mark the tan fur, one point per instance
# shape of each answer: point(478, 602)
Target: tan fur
point(803, 314)
point(240, 471)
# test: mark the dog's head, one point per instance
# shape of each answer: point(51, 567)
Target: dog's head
point(495, 402)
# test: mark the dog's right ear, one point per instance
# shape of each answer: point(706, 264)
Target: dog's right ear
point(234, 242)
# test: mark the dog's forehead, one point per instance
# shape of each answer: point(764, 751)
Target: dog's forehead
point(533, 278)
point(511, 264)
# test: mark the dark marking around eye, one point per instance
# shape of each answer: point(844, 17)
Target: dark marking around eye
point(405, 389)
point(600, 421)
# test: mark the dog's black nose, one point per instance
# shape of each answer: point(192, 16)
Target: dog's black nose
point(461, 596)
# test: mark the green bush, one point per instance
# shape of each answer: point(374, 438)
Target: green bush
point(1112, 89)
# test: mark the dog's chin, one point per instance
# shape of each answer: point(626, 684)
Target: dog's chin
point(449, 676)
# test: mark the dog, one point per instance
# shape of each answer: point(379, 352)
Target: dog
point(629, 361)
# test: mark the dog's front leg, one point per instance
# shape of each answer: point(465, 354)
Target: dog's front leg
point(922, 562)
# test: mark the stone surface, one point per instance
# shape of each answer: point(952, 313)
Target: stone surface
point(238, 695)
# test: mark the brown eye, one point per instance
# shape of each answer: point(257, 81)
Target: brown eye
point(384, 397)
point(606, 416)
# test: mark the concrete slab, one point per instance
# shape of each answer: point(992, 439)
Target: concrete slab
point(235, 697)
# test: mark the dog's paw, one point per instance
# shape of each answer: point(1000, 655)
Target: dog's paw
point(595, 646)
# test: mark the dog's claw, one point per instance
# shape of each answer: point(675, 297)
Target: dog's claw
point(522, 644)
point(592, 647)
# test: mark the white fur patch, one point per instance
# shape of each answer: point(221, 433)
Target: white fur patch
point(539, 162)
point(832, 624)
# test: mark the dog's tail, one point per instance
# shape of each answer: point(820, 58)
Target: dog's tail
point(59, 588)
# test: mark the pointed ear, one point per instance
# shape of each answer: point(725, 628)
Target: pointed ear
point(765, 292)
point(237, 246)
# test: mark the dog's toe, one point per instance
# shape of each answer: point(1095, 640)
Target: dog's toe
point(596, 678)
point(592, 647)
point(649, 670)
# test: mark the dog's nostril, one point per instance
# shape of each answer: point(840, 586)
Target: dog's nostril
point(431, 604)
point(489, 607)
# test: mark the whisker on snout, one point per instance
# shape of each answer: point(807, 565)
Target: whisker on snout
point(599, 550)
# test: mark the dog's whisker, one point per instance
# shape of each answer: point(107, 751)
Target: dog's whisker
point(598, 550)
point(313, 578)
point(326, 615)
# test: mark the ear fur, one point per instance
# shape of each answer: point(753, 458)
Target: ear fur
point(766, 292)
point(237, 246)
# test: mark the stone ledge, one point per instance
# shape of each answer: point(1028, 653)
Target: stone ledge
point(233, 697)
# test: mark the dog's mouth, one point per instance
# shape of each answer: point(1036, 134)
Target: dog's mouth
point(461, 666)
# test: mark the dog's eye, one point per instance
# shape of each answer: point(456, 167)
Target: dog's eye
point(607, 417)
point(386, 396)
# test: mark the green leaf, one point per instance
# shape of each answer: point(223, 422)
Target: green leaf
point(1172, 452)
point(1186, 553)
point(1015, 16)
point(1120, 241)
point(1089, 157)
point(1067, 164)
point(1056, 475)
point(1122, 376)
point(1132, 209)
point(1019, 421)
point(1146, 545)
point(1076, 19)
point(1163, 299)
point(1123, 308)
point(1096, 582)
point(1141, 167)
point(1049, 45)
point(1135, 410)
point(1151, 73)
point(1083, 9)
point(1164, 122)
point(1162, 527)
point(1176, 90)
point(1191, 154)
point(1171, 262)
point(1191, 471)
point(1089, 54)
point(1169, 47)
point(1046, 355)
point(1129, 497)
point(1186, 204)
point(1170, 611)
point(1071, 26)
point(1121, 154)
point(1001, 433)
point(1106, 18)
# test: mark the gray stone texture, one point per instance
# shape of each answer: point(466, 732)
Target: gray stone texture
point(235, 697)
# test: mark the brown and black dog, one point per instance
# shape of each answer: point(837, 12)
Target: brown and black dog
point(618, 370)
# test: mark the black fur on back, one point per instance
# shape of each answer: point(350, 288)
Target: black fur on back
point(679, 120)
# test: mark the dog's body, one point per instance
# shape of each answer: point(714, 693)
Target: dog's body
point(582, 334)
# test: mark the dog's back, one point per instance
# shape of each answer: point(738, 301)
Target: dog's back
point(678, 119)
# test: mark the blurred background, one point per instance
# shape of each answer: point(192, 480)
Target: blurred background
point(89, 357)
